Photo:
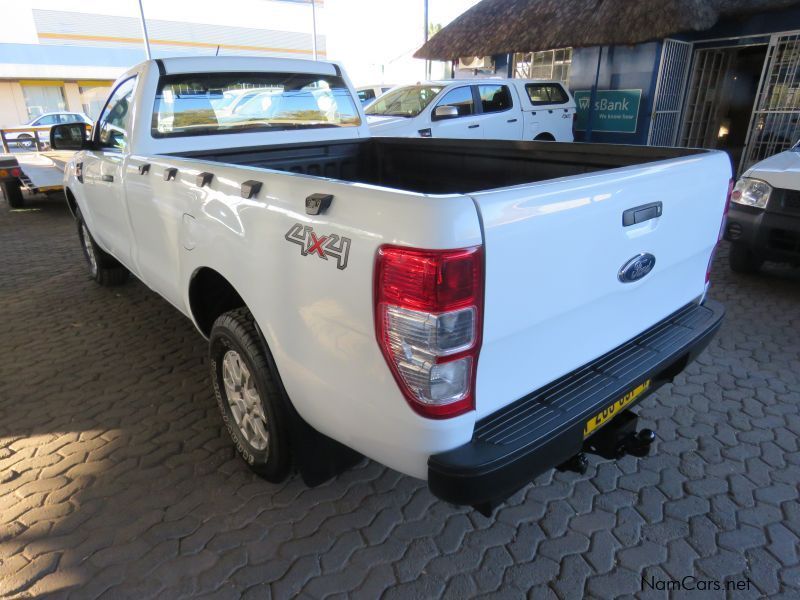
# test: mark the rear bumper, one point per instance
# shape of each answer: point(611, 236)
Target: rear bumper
point(771, 236)
point(512, 446)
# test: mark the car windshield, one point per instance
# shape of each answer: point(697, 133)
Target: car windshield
point(200, 104)
point(405, 101)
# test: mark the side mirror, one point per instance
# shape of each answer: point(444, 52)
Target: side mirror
point(445, 112)
point(69, 136)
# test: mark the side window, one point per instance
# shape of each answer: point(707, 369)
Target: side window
point(115, 120)
point(495, 98)
point(48, 120)
point(546, 93)
point(460, 98)
point(366, 95)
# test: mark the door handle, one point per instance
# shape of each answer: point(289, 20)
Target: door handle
point(511, 121)
point(108, 178)
point(640, 214)
point(474, 126)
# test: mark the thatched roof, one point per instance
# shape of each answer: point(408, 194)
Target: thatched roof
point(504, 26)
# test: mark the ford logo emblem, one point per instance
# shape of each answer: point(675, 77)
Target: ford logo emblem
point(637, 267)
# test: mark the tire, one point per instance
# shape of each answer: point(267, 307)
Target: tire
point(544, 137)
point(25, 141)
point(744, 260)
point(12, 191)
point(103, 268)
point(257, 421)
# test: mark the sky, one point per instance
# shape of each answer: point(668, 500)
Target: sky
point(376, 38)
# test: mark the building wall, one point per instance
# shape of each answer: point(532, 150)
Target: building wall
point(621, 68)
point(11, 103)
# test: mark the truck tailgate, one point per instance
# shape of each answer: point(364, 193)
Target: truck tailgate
point(554, 299)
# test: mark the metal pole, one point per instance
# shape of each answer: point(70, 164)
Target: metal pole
point(144, 31)
point(427, 62)
point(314, 27)
point(593, 97)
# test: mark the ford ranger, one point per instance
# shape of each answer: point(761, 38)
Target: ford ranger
point(468, 312)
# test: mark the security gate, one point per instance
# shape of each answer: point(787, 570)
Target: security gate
point(775, 124)
point(670, 87)
point(701, 113)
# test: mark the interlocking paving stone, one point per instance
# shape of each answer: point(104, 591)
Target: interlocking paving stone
point(117, 478)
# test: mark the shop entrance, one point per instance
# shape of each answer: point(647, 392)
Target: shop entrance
point(721, 98)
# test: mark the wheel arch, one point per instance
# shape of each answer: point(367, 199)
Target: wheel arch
point(210, 295)
point(72, 202)
point(545, 136)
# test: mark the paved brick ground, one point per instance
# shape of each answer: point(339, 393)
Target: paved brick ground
point(116, 478)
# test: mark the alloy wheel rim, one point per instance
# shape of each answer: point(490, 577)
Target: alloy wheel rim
point(88, 249)
point(244, 401)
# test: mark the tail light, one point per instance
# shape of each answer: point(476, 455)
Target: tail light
point(721, 230)
point(428, 320)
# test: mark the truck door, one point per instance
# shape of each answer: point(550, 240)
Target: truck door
point(463, 125)
point(500, 116)
point(103, 172)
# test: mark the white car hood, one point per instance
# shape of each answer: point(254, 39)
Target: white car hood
point(379, 124)
point(781, 170)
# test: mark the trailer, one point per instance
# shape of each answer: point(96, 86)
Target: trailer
point(31, 172)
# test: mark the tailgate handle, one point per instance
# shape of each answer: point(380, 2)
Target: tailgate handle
point(640, 214)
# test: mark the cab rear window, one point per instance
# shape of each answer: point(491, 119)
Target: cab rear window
point(546, 93)
point(202, 104)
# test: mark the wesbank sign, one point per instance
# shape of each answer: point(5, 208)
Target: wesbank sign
point(615, 111)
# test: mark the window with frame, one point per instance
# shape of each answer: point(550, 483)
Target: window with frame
point(461, 99)
point(546, 64)
point(44, 98)
point(366, 95)
point(115, 120)
point(200, 104)
point(47, 120)
point(546, 93)
point(494, 98)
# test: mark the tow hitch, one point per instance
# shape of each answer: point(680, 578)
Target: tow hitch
point(614, 441)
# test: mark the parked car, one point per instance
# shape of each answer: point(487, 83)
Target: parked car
point(764, 218)
point(493, 109)
point(368, 93)
point(468, 312)
point(42, 123)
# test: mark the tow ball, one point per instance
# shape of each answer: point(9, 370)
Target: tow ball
point(614, 441)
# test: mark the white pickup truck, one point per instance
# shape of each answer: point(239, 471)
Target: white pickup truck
point(468, 312)
point(484, 109)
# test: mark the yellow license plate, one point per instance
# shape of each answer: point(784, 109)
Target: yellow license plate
point(611, 411)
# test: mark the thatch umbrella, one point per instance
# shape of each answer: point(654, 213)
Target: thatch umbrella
point(507, 26)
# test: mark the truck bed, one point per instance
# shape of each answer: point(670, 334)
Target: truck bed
point(441, 166)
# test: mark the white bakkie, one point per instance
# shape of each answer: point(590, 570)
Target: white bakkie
point(490, 109)
point(469, 312)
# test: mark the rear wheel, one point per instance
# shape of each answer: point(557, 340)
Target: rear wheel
point(12, 190)
point(103, 268)
point(248, 395)
point(744, 260)
point(544, 137)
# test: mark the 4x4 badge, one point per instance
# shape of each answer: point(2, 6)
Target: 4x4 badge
point(322, 246)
